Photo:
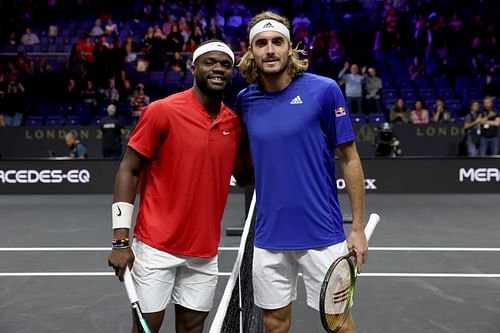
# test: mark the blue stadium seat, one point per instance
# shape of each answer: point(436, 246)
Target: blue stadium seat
point(389, 102)
point(102, 109)
point(34, 121)
point(82, 110)
point(470, 94)
point(446, 93)
point(462, 82)
point(62, 109)
point(376, 118)
point(73, 121)
point(422, 82)
point(358, 118)
point(95, 120)
point(427, 93)
point(174, 77)
point(408, 94)
point(54, 121)
point(404, 84)
point(455, 106)
point(440, 82)
point(390, 94)
point(43, 109)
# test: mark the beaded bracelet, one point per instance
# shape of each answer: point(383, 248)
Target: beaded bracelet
point(120, 243)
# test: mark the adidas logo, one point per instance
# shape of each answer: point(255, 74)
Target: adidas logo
point(296, 100)
point(268, 25)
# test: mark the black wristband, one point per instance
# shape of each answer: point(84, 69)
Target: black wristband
point(120, 243)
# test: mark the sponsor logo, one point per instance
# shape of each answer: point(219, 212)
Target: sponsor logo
point(268, 25)
point(479, 175)
point(370, 184)
point(119, 211)
point(226, 132)
point(296, 100)
point(340, 112)
point(46, 176)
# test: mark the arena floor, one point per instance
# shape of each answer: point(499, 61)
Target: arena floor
point(433, 266)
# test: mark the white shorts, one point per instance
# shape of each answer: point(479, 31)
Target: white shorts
point(275, 274)
point(160, 277)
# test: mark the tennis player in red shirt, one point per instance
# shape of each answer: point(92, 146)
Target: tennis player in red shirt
point(182, 153)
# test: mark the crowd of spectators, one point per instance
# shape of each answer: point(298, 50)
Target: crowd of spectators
point(413, 61)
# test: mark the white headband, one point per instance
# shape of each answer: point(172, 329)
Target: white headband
point(269, 25)
point(213, 46)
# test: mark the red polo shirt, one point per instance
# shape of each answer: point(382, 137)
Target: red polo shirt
point(184, 185)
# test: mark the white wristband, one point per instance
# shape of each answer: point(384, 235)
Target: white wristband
point(122, 213)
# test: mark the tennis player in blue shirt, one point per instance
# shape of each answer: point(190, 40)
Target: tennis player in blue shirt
point(295, 123)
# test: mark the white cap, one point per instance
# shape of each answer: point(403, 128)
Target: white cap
point(213, 46)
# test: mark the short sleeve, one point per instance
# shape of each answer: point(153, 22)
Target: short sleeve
point(151, 130)
point(335, 116)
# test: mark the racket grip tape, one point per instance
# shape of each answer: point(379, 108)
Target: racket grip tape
point(129, 286)
point(370, 226)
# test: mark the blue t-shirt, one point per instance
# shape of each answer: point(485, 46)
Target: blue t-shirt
point(293, 134)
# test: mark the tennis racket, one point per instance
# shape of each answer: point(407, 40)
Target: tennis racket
point(142, 325)
point(337, 290)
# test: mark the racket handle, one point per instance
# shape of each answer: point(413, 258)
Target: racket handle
point(370, 226)
point(129, 286)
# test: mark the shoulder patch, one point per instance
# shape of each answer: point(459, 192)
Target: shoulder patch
point(340, 112)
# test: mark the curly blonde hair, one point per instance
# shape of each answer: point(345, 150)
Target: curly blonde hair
point(297, 63)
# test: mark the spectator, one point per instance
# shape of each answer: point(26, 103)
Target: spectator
point(110, 94)
point(112, 130)
point(102, 63)
point(96, 30)
point(472, 128)
point(416, 68)
point(490, 87)
point(130, 49)
point(77, 149)
point(441, 114)
point(399, 112)
point(422, 36)
point(13, 41)
point(353, 87)
point(117, 56)
point(419, 115)
point(488, 141)
point(29, 38)
point(184, 29)
point(372, 87)
point(71, 94)
point(111, 29)
point(177, 64)
point(126, 91)
point(457, 36)
point(139, 102)
point(174, 40)
point(390, 34)
point(15, 104)
point(89, 94)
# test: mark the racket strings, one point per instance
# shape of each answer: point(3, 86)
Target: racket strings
point(339, 291)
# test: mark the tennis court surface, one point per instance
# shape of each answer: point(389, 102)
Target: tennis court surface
point(433, 266)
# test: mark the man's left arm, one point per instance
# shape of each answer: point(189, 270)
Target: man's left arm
point(355, 181)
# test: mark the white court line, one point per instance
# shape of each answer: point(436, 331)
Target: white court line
point(223, 248)
point(30, 274)
point(402, 275)
point(437, 249)
point(430, 275)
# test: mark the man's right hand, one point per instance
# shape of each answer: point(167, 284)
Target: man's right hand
point(119, 259)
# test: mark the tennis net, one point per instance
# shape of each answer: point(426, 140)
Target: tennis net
point(236, 312)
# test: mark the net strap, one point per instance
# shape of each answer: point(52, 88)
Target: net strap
point(226, 297)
